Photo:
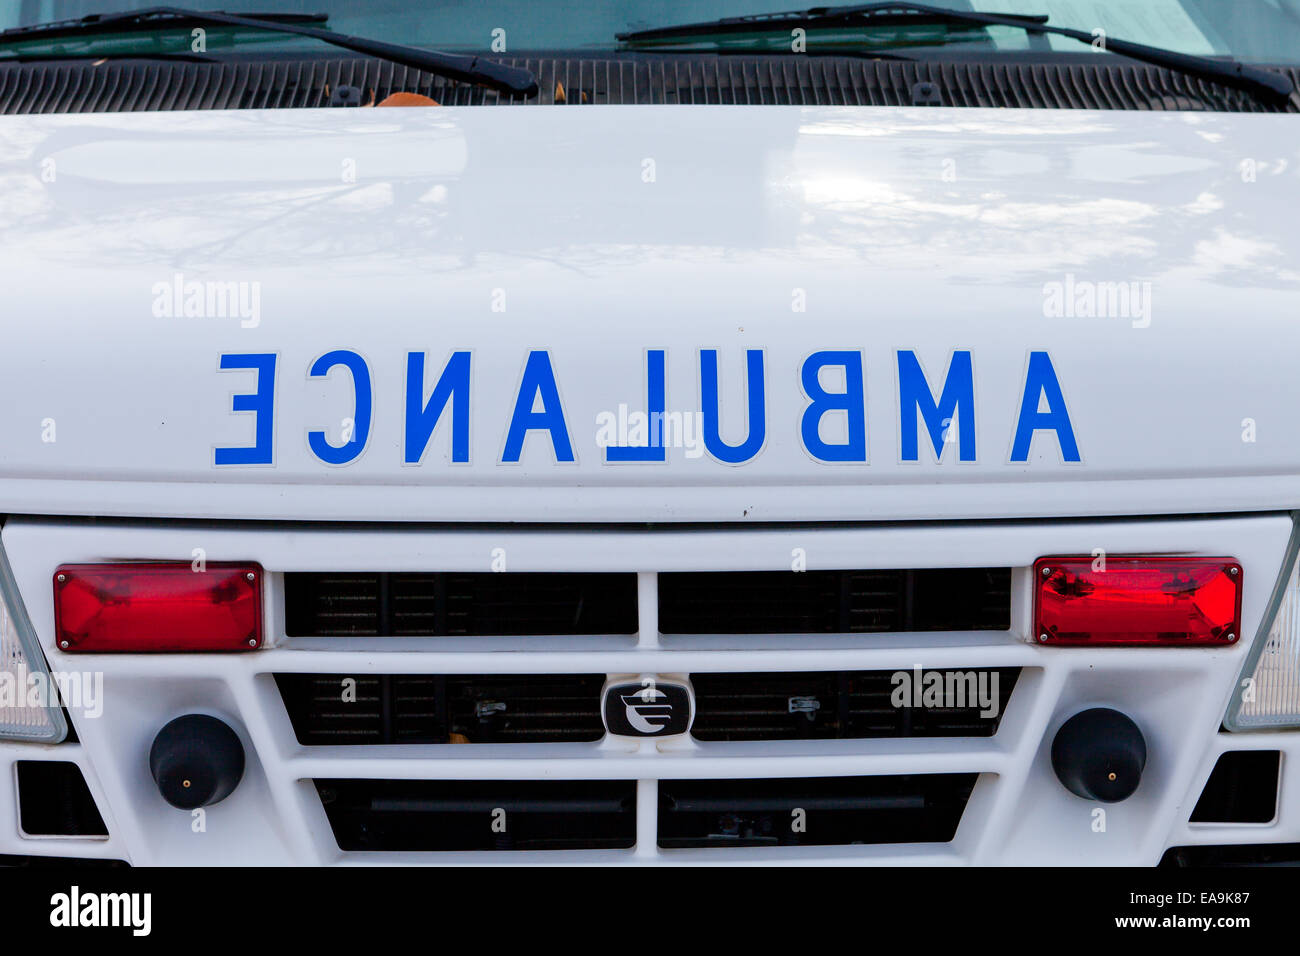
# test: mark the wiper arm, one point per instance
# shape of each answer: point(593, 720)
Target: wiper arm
point(1229, 72)
point(466, 69)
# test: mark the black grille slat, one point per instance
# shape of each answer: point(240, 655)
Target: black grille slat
point(438, 709)
point(124, 85)
point(819, 811)
point(459, 604)
point(429, 815)
point(835, 602)
point(853, 704)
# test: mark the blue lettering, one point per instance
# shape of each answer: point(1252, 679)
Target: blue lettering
point(1040, 380)
point(757, 410)
point(260, 402)
point(655, 401)
point(353, 446)
point(956, 406)
point(850, 401)
point(538, 379)
point(452, 386)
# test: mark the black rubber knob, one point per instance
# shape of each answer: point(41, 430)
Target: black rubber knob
point(1099, 754)
point(197, 761)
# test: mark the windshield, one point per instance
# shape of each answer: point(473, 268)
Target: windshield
point(1250, 30)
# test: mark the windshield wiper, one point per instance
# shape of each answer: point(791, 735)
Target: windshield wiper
point(1229, 72)
point(466, 69)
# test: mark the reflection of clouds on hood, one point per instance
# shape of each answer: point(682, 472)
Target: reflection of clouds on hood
point(985, 202)
point(1117, 214)
point(984, 241)
point(19, 142)
point(179, 188)
point(1226, 252)
point(1135, 162)
point(922, 121)
point(266, 156)
point(24, 199)
point(976, 196)
point(23, 196)
point(1203, 205)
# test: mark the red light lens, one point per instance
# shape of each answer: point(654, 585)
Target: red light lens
point(106, 608)
point(1138, 601)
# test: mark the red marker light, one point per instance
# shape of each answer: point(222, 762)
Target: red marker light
point(1178, 602)
point(108, 608)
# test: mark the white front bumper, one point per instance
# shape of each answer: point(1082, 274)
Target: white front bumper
point(1018, 813)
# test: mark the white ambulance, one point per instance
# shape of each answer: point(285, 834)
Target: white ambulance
point(650, 433)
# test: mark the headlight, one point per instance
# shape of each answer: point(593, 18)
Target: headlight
point(29, 706)
point(1267, 696)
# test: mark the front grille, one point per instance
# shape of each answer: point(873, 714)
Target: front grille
point(577, 80)
point(841, 602)
point(340, 709)
point(830, 704)
point(450, 604)
point(816, 811)
point(435, 709)
point(480, 815)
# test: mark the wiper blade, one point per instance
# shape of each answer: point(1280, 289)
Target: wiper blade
point(466, 69)
point(1264, 83)
point(137, 18)
point(98, 59)
point(889, 14)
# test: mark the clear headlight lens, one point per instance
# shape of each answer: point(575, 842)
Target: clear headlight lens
point(1267, 696)
point(29, 708)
